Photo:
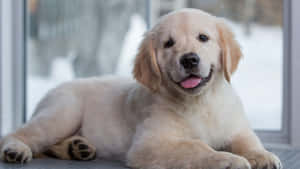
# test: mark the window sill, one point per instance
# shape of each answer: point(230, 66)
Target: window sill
point(289, 157)
point(65, 164)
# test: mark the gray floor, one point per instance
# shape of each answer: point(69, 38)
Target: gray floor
point(290, 159)
point(63, 164)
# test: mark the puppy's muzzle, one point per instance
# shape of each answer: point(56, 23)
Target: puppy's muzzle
point(189, 61)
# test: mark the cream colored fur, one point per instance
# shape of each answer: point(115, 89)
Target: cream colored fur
point(152, 123)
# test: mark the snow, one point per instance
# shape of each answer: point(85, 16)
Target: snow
point(258, 80)
point(131, 44)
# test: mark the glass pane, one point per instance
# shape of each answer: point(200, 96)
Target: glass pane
point(70, 39)
point(74, 38)
point(258, 28)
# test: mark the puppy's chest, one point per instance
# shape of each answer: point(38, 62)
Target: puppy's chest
point(210, 126)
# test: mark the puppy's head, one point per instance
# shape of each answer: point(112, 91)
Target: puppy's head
point(187, 52)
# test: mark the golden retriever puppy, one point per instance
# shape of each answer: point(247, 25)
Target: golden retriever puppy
point(181, 112)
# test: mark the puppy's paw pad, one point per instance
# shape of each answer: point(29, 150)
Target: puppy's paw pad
point(76, 141)
point(80, 149)
point(83, 147)
point(16, 153)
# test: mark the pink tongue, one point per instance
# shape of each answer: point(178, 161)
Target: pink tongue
point(190, 82)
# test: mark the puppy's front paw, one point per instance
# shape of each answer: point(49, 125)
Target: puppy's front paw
point(224, 160)
point(263, 160)
point(15, 151)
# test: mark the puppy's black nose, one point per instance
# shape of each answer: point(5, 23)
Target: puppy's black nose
point(189, 60)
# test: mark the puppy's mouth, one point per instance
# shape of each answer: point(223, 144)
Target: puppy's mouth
point(195, 81)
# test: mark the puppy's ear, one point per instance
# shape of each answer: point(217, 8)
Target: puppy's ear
point(146, 69)
point(230, 50)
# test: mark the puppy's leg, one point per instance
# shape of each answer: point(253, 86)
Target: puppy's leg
point(162, 147)
point(248, 145)
point(73, 148)
point(58, 117)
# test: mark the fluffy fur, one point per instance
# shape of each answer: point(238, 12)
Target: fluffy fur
point(154, 123)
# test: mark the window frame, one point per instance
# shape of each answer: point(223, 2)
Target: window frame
point(13, 86)
point(287, 136)
point(295, 78)
point(19, 58)
point(282, 136)
point(1, 103)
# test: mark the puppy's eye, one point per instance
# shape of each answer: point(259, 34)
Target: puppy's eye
point(203, 38)
point(169, 43)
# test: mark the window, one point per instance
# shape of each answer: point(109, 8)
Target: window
point(92, 38)
point(66, 40)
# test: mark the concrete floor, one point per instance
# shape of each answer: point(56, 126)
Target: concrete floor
point(289, 157)
point(63, 164)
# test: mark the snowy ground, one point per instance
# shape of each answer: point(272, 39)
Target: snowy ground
point(258, 79)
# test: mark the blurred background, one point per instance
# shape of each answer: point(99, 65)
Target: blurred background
point(69, 39)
